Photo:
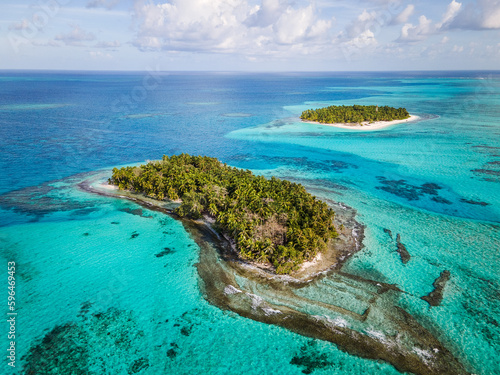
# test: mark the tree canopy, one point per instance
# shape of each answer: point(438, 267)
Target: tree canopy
point(270, 220)
point(354, 114)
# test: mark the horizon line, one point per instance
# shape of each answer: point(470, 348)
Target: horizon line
point(244, 71)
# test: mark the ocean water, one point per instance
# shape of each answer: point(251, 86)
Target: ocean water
point(104, 286)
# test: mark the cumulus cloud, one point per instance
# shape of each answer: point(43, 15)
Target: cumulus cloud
point(404, 15)
point(411, 33)
point(451, 12)
point(227, 25)
point(483, 14)
point(478, 15)
point(266, 14)
point(76, 37)
point(365, 21)
point(426, 28)
point(359, 35)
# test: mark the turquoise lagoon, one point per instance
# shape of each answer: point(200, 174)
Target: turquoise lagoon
point(104, 286)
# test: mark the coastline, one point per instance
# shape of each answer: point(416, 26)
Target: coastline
point(366, 126)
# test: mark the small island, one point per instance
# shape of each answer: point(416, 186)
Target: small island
point(268, 221)
point(357, 116)
point(241, 221)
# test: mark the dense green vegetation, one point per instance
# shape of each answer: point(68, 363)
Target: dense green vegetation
point(354, 114)
point(270, 220)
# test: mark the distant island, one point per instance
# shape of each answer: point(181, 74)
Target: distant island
point(267, 220)
point(354, 114)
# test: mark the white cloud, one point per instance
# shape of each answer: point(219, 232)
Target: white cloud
point(228, 26)
point(483, 14)
point(411, 33)
point(404, 15)
point(457, 49)
point(266, 14)
point(109, 4)
point(114, 44)
point(451, 12)
point(491, 19)
point(362, 23)
point(365, 39)
point(426, 28)
point(99, 55)
point(76, 37)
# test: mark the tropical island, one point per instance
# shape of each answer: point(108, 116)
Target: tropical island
point(277, 221)
point(357, 116)
point(267, 220)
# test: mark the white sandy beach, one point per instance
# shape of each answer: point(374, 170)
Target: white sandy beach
point(366, 125)
point(107, 186)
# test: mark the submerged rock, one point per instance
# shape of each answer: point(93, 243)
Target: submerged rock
point(138, 365)
point(435, 297)
point(403, 253)
point(165, 251)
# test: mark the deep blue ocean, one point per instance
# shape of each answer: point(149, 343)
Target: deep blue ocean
point(87, 278)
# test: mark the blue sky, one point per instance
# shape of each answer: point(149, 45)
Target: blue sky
point(250, 35)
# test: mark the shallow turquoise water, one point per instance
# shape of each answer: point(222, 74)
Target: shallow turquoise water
point(89, 264)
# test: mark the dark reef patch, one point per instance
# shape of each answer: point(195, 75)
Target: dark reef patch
point(165, 251)
point(310, 359)
point(172, 352)
point(486, 171)
point(136, 212)
point(486, 147)
point(388, 231)
point(410, 192)
point(403, 253)
point(76, 347)
point(336, 166)
point(84, 309)
point(134, 235)
point(186, 330)
point(61, 351)
point(138, 365)
point(440, 200)
point(471, 201)
point(435, 297)
point(44, 199)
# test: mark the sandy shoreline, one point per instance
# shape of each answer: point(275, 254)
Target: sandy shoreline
point(366, 125)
